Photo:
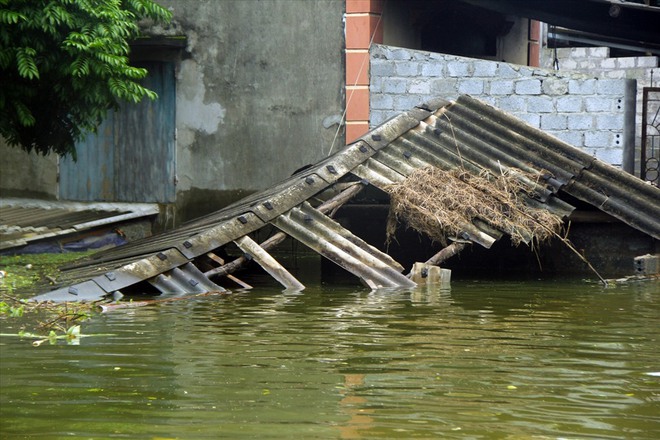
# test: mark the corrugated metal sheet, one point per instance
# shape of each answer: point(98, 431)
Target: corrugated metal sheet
point(466, 133)
point(131, 158)
point(609, 189)
point(26, 221)
point(182, 280)
point(329, 239)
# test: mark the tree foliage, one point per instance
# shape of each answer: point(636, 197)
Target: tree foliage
point(64, 64)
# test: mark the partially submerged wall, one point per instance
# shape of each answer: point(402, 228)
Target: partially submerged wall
point(595, 115)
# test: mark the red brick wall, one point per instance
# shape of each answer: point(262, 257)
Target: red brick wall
point(363, 27)
point(534, 44)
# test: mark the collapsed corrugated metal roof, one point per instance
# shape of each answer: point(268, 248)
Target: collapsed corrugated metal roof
point(26, 221)
point(466, 134)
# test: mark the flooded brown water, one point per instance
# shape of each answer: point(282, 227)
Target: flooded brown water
point(481, 360)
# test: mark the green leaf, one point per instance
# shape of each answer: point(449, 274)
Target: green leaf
point(80, 67)
point(25, 116)
point(11, 17)
point(27, 66)
point(73, 55)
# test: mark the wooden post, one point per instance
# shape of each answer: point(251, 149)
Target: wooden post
point(236, 264)
point(430, 272)
point(446, 253)
point(270, 264)
point(221, 262)
point(330, 205)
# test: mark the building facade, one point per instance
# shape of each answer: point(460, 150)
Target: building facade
point(250, 91)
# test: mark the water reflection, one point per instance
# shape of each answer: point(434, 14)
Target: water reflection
point(355, 407)
point(479, 360)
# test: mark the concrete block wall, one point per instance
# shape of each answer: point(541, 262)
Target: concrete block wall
point(596, 61)
point(590, 113)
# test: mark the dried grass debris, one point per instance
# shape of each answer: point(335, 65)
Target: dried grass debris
point(441, 203)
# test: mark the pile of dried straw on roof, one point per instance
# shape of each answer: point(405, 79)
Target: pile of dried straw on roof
point(437, 203)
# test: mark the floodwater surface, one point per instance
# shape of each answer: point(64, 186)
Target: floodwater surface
point(479, 360)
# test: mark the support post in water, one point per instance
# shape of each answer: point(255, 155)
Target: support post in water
point(221, 262)
point(270, 264)
point(430, 272)
point(423, 273)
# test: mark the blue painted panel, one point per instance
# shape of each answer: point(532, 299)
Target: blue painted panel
point(91, 177)
point(132, 157)
point(145, 142)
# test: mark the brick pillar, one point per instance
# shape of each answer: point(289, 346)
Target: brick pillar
point(534, 44)
point(363, 27)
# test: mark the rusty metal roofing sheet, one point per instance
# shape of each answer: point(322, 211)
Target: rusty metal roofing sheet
point(466, 133)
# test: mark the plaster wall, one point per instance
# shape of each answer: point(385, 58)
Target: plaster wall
point(589, 113)
point(27, 174)
point(512, 47)
point(259, 93)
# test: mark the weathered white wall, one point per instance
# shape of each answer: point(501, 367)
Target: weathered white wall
point(590, 113)
point(512, 47)
point(27, 175)
point(254, 87)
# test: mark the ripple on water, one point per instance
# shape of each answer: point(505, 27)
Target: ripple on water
point(479, 360)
